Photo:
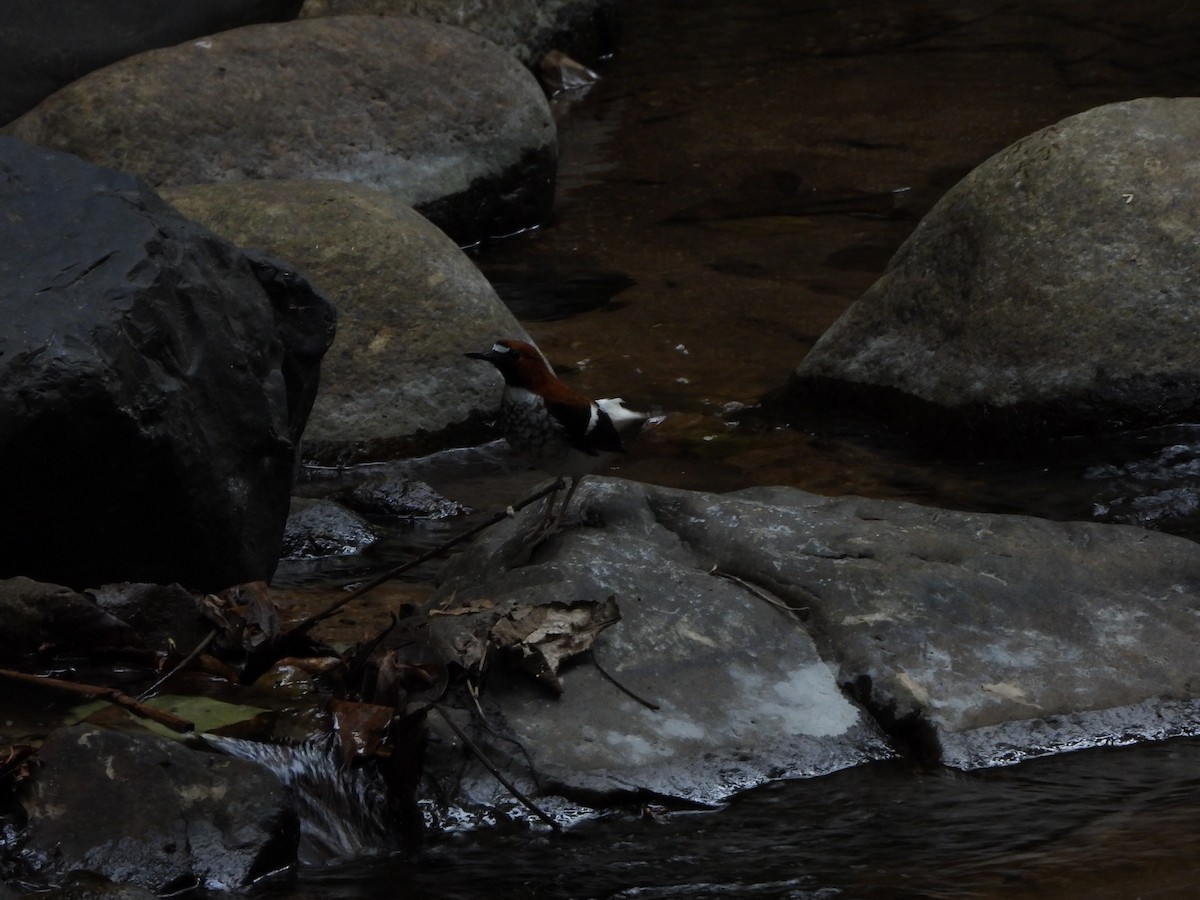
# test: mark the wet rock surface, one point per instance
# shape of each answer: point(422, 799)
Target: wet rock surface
point(1049, 292)
point(973, 640)
point(321, 528)
point(147, 377)
point(161, 615)
point(196, 819)
point(399, 498)
point(408, 302)
point(742, 695)
point(37, 615)
point(442, 119)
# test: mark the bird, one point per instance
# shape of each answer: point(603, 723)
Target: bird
point(553, 426)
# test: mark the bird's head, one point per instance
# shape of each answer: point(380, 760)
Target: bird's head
point(520, 363)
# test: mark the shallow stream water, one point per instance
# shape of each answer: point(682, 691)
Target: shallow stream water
point(742, 173)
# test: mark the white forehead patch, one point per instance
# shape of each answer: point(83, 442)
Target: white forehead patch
point(500, 348)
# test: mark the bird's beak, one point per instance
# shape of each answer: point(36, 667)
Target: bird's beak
point(475, 354)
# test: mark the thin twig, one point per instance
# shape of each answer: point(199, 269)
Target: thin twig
point(183, 664)
point(112, 695)
point(756, 591)
point(496, 773)
point(619, 686)
point(304, 625)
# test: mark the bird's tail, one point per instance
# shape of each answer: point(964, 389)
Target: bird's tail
point(628, 422)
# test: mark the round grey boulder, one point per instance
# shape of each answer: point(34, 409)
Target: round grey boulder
point(439, 117)
point(1052, 291)
point(409, 305)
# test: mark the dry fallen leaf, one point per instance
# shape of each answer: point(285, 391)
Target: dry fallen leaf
point(543, 637)
point(361, 727)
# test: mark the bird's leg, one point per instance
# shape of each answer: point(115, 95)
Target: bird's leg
point(548, 509)
point(562, 510)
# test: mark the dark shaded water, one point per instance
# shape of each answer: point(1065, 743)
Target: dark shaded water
point(742, 174)
point(1101, 824)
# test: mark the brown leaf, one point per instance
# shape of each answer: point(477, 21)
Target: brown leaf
point(543, 637)
point(361, 727)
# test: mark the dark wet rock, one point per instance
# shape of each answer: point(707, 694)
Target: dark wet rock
point(161, 614)
point(1160, 491)
point(400, 498)
point(195, 818)
point(319, 528)
point(409, 302)
point(39, 616)
point(442, 119)
point(743, 693)
point(148, 400)
point(1051, 291)
point(526, 28)
point(974, 640)
point(41, 49)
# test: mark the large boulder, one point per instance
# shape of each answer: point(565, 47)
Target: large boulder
point(443, 119)
point(45, 45)
point(409, 303)
point(153, 383)
point(1051, 291)
point(972, 640)
point(195, 819)
point(526, 28)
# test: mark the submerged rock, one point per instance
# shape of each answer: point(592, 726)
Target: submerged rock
point(1051, 291)
point(152, 389)
point(403, 498)
point(442, 119)
point(409, 304)
point(195, 820)
point(972, 640)
point(320, 528)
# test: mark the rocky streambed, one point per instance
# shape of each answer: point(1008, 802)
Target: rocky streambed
point(669, 648)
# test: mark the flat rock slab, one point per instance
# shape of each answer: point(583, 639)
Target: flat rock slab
point(443, 119)
point(742, 694)
point(990, 638)
point(973, 640)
